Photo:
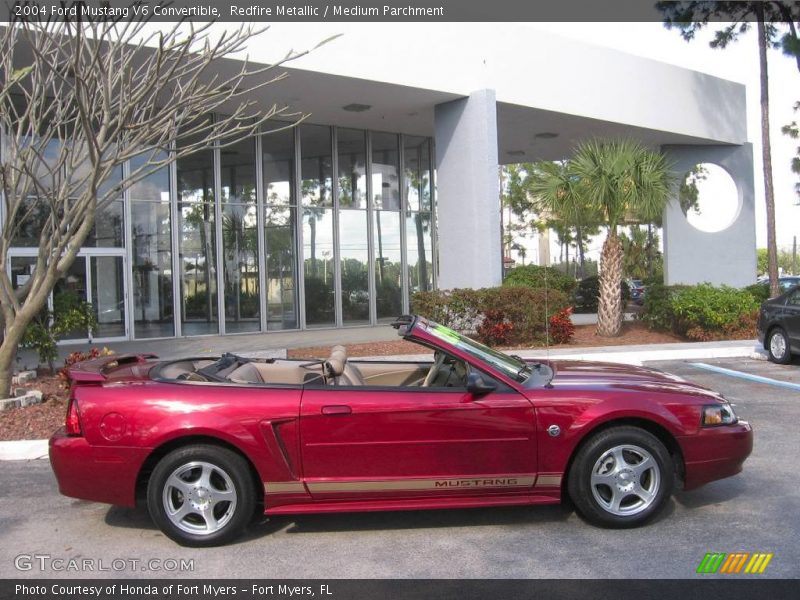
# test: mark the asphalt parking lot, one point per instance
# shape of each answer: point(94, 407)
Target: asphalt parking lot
point(756, 511)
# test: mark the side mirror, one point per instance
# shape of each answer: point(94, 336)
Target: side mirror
point(477, 386)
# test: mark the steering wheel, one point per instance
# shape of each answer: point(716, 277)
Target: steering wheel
point(437, 366)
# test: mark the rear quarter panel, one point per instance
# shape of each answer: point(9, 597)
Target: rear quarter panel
point(261, 422)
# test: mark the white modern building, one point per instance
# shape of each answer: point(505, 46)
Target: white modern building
point(391, 186)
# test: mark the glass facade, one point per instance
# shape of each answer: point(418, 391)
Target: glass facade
point(316, 206)
point(151, 253)
point(386, 226)
point(419, 218)
point(280, 229)
point(197, 243)
point(240, 237)
point(351, 186)
point(304, 227)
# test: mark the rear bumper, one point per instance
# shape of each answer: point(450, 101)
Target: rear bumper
point(715, 453)
point(99, 474)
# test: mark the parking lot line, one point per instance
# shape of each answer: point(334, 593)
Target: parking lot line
point(748, 376)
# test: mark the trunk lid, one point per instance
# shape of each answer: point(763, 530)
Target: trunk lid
point(120, 367)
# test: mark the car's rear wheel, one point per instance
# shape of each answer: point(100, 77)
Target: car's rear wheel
point(621, 477)
point(201, 495)
point(778, 347)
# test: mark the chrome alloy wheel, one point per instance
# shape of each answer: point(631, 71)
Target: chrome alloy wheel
point(625, 480)
point(199, 498)
point(777, 345)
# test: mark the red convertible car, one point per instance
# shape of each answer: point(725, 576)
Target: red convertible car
point(208, 441)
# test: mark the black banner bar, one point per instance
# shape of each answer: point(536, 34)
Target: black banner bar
point(356, 10)
point(730, 588)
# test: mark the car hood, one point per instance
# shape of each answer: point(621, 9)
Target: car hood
point(620, 376)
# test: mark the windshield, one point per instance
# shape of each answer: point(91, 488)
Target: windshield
point(788, 282)
point(511, 366)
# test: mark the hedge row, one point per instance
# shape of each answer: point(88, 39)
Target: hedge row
point(534, 276)
point(702, 312)
point(501, 315)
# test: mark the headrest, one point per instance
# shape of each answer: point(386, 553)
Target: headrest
point(336, 361)
point(247, 373)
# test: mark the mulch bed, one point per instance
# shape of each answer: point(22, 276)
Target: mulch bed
point(39, 421)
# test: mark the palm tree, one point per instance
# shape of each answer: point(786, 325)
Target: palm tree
point(555, 192)
point(622, 181)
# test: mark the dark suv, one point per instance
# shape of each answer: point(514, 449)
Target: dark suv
point(779, 326)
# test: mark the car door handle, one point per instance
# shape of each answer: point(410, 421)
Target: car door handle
point(336, 409)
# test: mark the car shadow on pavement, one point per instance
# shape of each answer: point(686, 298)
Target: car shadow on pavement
point(134, 518)
point(712, 493)
point(422, 519)
point(261, 526)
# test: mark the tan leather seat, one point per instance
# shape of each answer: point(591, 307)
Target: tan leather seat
point(352, 376)
point(334, 366)
point(247, 373)
point(338, 371)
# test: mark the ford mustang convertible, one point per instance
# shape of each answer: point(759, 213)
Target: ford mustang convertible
point(207, 442)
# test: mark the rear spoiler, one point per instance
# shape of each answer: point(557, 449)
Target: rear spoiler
point(94, 370)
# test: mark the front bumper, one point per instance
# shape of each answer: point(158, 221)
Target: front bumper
point(96, 473)
point(715, 453)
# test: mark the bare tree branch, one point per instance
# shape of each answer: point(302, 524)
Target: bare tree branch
point(80, 99)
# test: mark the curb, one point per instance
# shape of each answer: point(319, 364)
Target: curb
point(24, 450)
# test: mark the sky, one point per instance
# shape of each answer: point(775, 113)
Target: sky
point(738, 62)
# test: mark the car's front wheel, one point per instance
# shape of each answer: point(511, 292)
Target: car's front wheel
point(778, 347)
point(201, 495)
point(621, 477)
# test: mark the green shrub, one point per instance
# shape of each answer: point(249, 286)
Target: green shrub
point(459, 309)
point(701, 312)
point(534, 276)
point(710, 308)
point(657, 311)
point(759, 291)
point(527, 310)
point(587, 294)
point(69, 313)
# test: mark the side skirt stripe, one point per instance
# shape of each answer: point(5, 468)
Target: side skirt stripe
point(511, 482)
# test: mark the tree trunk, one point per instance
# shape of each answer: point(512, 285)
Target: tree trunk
point(581, 257)
point(766, 155)
point(609, 310)
point(312, 225)
point(422, 262)
point(8, 353)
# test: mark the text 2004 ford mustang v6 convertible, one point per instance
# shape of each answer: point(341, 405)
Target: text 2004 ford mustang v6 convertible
point(209, 440)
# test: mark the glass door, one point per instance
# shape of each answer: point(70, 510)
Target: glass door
point(98, 279)
point(107, 277)
point(70, 290)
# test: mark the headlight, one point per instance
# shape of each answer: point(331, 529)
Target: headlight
point(718, 414)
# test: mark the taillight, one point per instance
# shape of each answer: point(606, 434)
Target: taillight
point(73, 423)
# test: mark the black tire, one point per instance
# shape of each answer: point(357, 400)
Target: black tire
point(786, 358)
point(198, 475)
point(596, 502)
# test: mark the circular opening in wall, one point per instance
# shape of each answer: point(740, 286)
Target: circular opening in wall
point(709, 198)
